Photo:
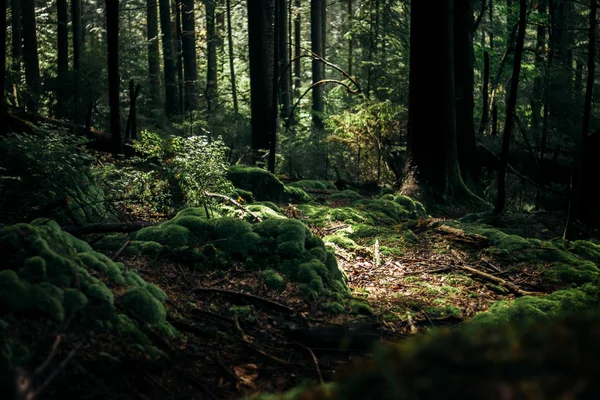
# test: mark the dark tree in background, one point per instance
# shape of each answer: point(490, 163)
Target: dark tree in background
point(285, 86)
point(170, 70)
point(176, 9)
point(77, 27)
point(261, 44)
point(231, 59)
point(297, 48)
point(63, 57)
point(3, 26)
point(211, 54)
point(17, 42)
point(318, 68)
point(153, 52)
point(112, 39)
point(189, 52)
point(30, 54)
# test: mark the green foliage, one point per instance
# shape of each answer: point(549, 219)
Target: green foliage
point(264, 185)
point(46, 174)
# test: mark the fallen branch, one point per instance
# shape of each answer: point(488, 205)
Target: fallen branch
point(107, 227)
point(314, 358)
point(271, 303)
point(235, 203)
point(251, 345)
point(120, 251)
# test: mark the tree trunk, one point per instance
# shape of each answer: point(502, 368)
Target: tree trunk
point(179, 56)
point(63, 57)
point(3, 26)
point(432, 165)
point(570, 232)
point(17, 43)
point(153, 52)
point(211, 55)
point(170, 71)
point(285, 87)
point(131, 127)
point(373, 33)
point(261, 46)
point(485, 95)
point(112, 38)
point(30, 55)
point(297, 47)
point(231, 63)
point(464, 60)
point(350, 39)
point(77, 26)
point(189, 53)
point(318, 70)
point(510, 109)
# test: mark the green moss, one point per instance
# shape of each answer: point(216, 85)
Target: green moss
point(199, 228)
point(296, 195)
point(334, 307)
point(157, 292)
point(587, 250)
point(443, 311)
point(197, 212)
point(313, 185)
point(273, 279)
point(74, 300)
point(263, 184)
point(511, 243)
point(410, 237)
point(133, 279)
point(341, 241)
point(17, 295)
point(243, 313)
point(349, 195)
point(34, 269)
point(264, 212)
point(386, 211)
point(172, 235)
point(561, 273)
point(245, 196)
point(99, 262)
point(100, 293)
point(142, 304)
point(360, 307)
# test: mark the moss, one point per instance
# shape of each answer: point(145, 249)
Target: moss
point(74, 300)
point(511, 243)
point(341, 241)
point(264, 212)
point(360, 307)
point(99, 262)
point(197, 212)
point(296, 195)
point(34, 269)
point(199, 228)
point(17, 295)
point(100, 293)
point(243, 196)
point(334, 307)
point(386, 211)
point(172, 235)
point(587, 250)
point(157, 292)
point(243, 313)
point(271, 205)
point(142, 304)
point(313, 185)
point(349, 195)
point(443, 311)
point(263, 184)
point(133, 279)
point(273, 279)
point(410, 237)
point(561, 273)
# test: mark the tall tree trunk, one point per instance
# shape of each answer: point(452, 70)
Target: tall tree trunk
point(297, 47)
point(77, 27)
point(112, 38)
point(373, 36)
point(153, 52)
point(189, 53)
point(485, 95)
point(538, 83)
point(30, 55)
point(17, 43)
point(170, 71)
point(318, 70)
point(570, 232)
point(510, 109)
point(211, 54)
point(350, 39)
point(63, 57)
point(464, 60)
point(491, 21)
point(285, 87)
point(3, 26)
point(231, 63)
point(261, 46)
point(179, 56)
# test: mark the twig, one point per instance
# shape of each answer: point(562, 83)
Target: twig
point(40, 370)
point(256, 349)
point(314, 358)
point(235, 203)
point(56, 371)
point(251, 296)
point(120, 251)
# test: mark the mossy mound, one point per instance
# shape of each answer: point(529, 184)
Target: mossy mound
point(260, 182)
point(313, 185)
point(349, 195)
point(49, 273)
point(392, 209)
point(321, 215)
point(297, 195)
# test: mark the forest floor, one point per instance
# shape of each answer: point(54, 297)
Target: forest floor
point(279, 339)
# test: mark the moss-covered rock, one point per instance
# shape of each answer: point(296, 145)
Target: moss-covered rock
point(349, 195)
point(263, 184)
point(313, 185)
point(296, 195)
point(172, 235)
point(144, 305)
point(273, 279)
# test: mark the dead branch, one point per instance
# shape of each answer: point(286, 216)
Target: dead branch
point(235, 203)
point(120, 251)
point(314, 358)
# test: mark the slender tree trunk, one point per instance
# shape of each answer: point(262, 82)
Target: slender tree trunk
point(570, 232)
point(179, 56)
point(17, 44)
point(189, 53)
point(510, 109)
point(30, 55)
point(538, 83)
point(485, 95)
point(211, 54)
point(464, 60)
point(131, 127)
point(77, 27)
point(261, 46)
point(112, 38)
point(63, 57)
point(316, 36)
point(373, 33)
point(231, 59)
point(170, 70)
point(297, 47)
point(153, 52)
point(350, 39)
point(491, 31)
point(285, 87)
point(277, 58)
point(3, 26)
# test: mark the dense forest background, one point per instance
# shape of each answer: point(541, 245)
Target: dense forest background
point(245, 196)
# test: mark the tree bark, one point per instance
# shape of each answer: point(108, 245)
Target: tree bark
point(153, 52)
point(261, 46)
point(570, 232)
point(3, 26)
point(464, 60)
point(170, 71)
point(77, 26)
point(538, 83)
point(179, 57)
point(112, 38)
point(510, 109)
point(297, 47)
point(285, 87)
point(231, 63)
point(211, 54)
point(350, 39)
point(17, 42)
point(30, 54)
point(63, 57)
point(189, 53)
point(485, 95)
point(318, 68)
